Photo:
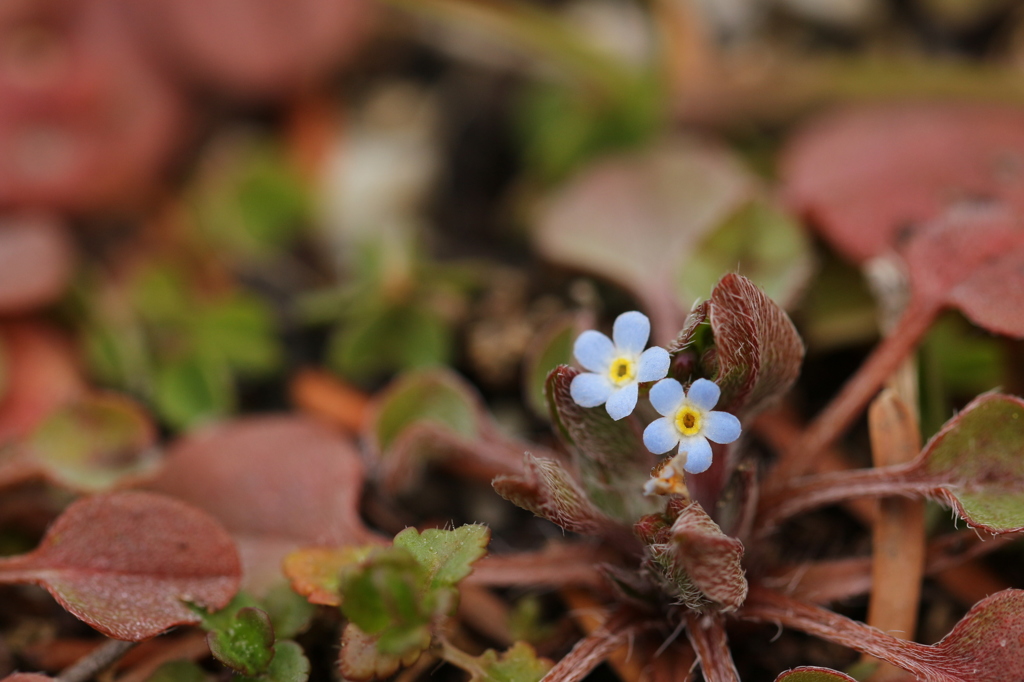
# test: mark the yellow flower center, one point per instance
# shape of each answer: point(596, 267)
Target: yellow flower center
point(688, 421)
point(622, 371)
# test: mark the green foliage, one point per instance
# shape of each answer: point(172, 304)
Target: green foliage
point(178, 671)
point(519, 664)
point(289, 665)
point(563, 127)
point(427, 396)
point(397, 597)
point(289, 612)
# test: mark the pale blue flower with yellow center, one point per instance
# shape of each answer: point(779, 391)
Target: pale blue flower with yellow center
point(689, 422)
point(616, 366)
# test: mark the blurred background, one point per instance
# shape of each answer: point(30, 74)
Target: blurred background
point(200, 200)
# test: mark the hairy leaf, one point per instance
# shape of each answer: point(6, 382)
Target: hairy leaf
point(519, 664)
point(288, 665)
point(549, 491)
point(244, 641)
point(699, 563)
point(976, 461)
point(277, 483)
point(447, 555)
point(865, 175)
point(610, 455)
point(813, 674)
point(124, 563)
point(758, 350)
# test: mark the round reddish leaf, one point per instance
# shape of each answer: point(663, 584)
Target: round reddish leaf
point(277, 483)
point(86, 121)
point(35, 262)
point(41, 375)
point(253, 48)
point(125, 562)
point(27, 677)
point(864, 175)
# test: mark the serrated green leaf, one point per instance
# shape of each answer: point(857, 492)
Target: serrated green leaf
point(246, 643)
point(178, 671)
point(447, 555)
point(434, 396)
point(289, 665)
point(290, 613)
point(519, 664)
point(385, 591)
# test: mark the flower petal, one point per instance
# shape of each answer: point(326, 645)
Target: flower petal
point(721, 427)
point(704, 394)
point(594, 351)
point(698, 453)
point(590, 390)
point(631, 331)
point(661, 435)
point(622, 401)
point(666, 396)
point(653, 364)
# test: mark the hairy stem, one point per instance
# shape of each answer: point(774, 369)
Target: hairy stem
point(707, 635)
point(811, 492)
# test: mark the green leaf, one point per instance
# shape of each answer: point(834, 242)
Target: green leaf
point(239, 329)
point(289, 612)
point(447, 555)
point(519, 664)
point(433, 396)
point(245, 643)
point(553, 347)
point(95, 442)
point(289, 665)
point(975, 461)
point(192, 390)
point(610, 455)
point(759, 240)
point(385, 590)
point(179, 671)
point(387, 338)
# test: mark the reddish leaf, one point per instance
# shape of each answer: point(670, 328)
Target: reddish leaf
point(277, 483)
point(35, 262)
point(27, 677)
point(41, 375)
point(259, 49)
point(699, 563)
point(813, 674)
point(86, 121)
point(864, 175)
point(315, 572)
point(757, 349)
point(637, 218)
point(125, 562)
point(360, 658)
point(610, 455)
point(549, 491)
point(972, 259)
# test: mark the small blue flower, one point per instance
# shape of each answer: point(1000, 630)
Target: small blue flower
point(615, 368)
point(689, 421)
